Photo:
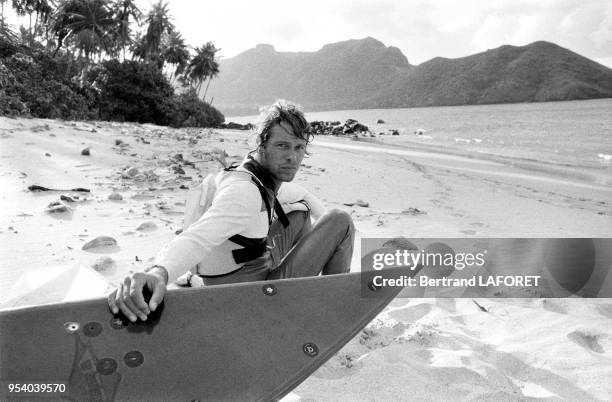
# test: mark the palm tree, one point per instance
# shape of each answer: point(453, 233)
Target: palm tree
point(8, 39)
point(175, 52)
point(202, 66)
point(125, 10)
point(89, 24)
point(93, 26)
point(42, 9)
point(159, 24)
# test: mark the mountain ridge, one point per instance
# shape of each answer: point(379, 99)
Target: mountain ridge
point(364, 74)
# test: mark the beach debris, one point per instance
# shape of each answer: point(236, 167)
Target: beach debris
point(99, 242)
point(35, 187)
point(130, 171)
point(104, 265)
point(44, 127)
point(480, 307)
point(86, 151)
point(419, 131)
point(163, 206)
point(147, 176)
point(178, 170)
point(57, 207)
point(141, 176)
point(380, 121)
point(178, 158)
point(47, 154)
point(71, 198)
point(118, 142)
point(115, 197)
point(147, 227)
point(359, 203)
point(413, 211)
point(394, 132)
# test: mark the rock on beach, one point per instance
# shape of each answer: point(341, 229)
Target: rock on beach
point(100, 242)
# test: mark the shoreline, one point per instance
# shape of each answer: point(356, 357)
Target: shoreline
point(573, 175)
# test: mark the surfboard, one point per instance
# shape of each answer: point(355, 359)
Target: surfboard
point(249, 341)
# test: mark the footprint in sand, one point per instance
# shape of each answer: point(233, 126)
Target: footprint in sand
point(587, 341)
point(605, 310)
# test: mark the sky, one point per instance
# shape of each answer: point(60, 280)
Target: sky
point(421, 29)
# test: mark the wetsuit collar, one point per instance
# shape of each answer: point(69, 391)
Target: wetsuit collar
point(260, 172)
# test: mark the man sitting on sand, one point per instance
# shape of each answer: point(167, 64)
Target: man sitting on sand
point(254, 229)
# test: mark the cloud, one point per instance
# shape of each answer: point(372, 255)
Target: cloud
point(602, 37)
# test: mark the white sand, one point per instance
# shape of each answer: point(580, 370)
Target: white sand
point(418, 349)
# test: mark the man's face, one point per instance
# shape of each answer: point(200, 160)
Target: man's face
point(283, 153)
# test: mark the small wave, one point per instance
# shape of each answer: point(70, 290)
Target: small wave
point(605, 157)
point(460, 140)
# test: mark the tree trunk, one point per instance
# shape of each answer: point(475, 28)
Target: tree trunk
point(36, 24)
point(206, 90)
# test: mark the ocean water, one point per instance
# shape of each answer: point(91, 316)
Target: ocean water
point(571, 134)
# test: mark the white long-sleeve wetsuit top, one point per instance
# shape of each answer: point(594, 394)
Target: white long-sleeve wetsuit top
point(237, 208)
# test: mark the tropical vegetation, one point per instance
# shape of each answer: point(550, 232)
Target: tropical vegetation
point(103, 59)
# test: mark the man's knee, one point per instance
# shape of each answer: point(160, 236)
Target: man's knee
point(341, 219)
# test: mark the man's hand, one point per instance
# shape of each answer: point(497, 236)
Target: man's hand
point(129, 295)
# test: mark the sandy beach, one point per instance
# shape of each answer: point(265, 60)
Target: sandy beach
point(417, 349)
